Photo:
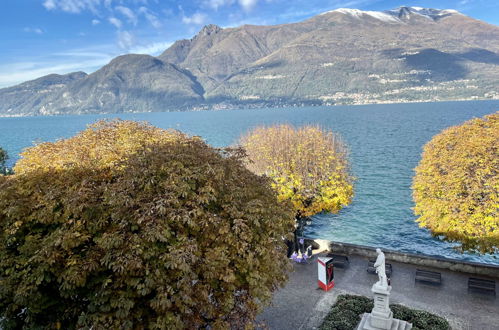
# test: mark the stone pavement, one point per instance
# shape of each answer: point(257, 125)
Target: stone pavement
point(301, 305)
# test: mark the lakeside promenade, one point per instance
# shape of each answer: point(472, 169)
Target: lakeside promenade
point(301, 305)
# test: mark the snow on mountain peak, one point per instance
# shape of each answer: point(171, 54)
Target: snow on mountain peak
point(430, 13)
point(359, 13)
point(395, 15)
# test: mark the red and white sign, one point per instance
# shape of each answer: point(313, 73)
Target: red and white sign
point(325, 272)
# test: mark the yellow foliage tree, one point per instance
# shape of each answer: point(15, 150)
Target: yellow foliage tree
point(308, 166)
point(456, 185)
point(128, 226)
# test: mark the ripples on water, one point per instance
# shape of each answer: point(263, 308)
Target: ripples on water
point(385, 144)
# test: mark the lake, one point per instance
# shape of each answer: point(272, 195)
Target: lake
point(385, 143)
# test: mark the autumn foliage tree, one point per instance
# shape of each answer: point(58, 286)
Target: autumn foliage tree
point(127, 226)
point(308, 166)
point(456, 186)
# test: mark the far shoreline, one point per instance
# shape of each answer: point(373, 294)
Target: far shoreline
point(254, 106)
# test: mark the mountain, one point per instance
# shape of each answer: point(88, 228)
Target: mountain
point(130, 82)
point(30, 95)
point(344, 56)
point(354, 56)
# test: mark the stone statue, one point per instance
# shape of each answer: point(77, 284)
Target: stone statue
point(381, 316)
point(380, 269)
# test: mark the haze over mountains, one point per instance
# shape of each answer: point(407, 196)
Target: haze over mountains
point(345, 56)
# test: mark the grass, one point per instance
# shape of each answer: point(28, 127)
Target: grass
point(348, 309)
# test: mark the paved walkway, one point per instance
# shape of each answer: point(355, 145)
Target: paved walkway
point(300, 305)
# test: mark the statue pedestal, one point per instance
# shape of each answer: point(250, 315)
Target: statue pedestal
point(381, 317)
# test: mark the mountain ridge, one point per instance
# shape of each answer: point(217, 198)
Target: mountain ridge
point(343, 56)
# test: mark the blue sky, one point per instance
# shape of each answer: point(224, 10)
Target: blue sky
point(39, 37)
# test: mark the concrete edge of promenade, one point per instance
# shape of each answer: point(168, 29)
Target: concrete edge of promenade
point(408, 258)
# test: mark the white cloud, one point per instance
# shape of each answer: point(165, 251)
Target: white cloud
point(119, 14)
point(197, 18)
point(16, 73)
point(155, 22)
point(116, 22)
point(125, 40)
point(92, 53)
point(151, 17)
point(128, 13)
point(72, 6)
point(247, 4)
point(33, 30)
point(151, 49)
point(167, 11)
point(49, 4)
point(215, 4)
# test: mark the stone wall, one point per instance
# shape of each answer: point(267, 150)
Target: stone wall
point(407, 258)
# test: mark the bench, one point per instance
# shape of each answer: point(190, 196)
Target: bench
point(481, 285)
point(427, 276)
point(372, 270)
point(339, 261)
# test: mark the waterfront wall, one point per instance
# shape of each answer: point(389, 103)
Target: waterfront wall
point(420, 260)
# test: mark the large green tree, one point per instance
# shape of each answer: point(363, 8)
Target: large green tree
point(127, 226)
point(456, 186)
point(308, 166)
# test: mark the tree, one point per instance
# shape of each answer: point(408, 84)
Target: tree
point(456, 185)
point(130, 226)
point(3, 159)
point(308, 166)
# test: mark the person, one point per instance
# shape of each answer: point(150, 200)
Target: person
point(291, 247)
point(309, 251)
point(302, 258)
point(380, 269)
point(301, 244)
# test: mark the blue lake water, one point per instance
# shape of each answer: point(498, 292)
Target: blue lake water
point(385, 143)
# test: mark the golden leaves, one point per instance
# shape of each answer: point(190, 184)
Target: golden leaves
point(103, 144)
point(308, 166)
point(129, 226)
point(456, 186)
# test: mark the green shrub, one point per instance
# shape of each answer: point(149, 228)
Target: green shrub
point(348, 309)
point(419, 319)
point(129, 226)
point(346, 312)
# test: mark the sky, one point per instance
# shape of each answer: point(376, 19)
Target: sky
point(40, 37)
